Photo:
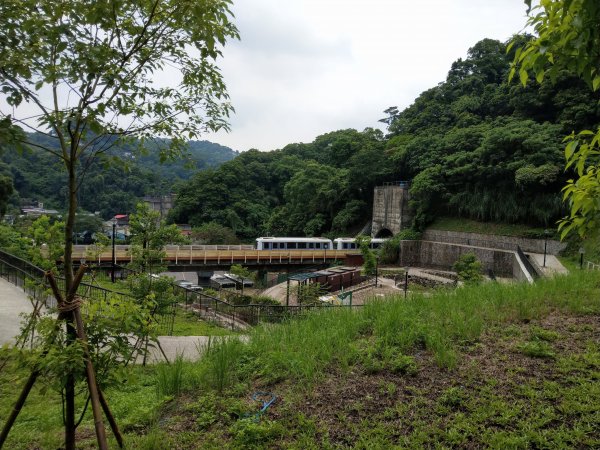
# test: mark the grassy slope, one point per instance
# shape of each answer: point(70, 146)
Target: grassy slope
point(473, 226)
point(499, 366)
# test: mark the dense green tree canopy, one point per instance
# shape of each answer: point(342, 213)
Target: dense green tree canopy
point(473, 146)
point(568, 39)
point(109, 189)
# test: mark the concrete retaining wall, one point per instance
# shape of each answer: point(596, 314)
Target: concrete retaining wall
point(494, 241)
point(442, 255)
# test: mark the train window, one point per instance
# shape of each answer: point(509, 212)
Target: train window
point(325, 246)
point(301, 244)
point(275, 244)
point(267, 245)
point(345, 245)
point(291, 245)
point(317, 245)
point(311, 245)
point(353, 245)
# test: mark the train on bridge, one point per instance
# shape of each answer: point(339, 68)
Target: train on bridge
point(268, 251)
point(300, 243)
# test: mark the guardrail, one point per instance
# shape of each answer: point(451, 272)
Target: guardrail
point(240, 316)
point(404, 184)
point(592, 266)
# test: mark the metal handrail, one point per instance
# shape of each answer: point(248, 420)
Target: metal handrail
point(397, 183)
point(251, 314)
point(17, 271)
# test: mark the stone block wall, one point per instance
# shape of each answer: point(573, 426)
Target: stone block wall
point(494, 241)
point(441, 255)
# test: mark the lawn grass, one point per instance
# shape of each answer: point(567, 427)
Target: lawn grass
point(497, 366)
point(473, 226)
point(188, 324)
point(102, 279)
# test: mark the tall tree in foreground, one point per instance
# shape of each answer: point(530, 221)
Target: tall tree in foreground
point(92, 74)
point(568, 38)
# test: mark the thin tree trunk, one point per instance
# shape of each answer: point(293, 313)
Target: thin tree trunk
point(71, 332)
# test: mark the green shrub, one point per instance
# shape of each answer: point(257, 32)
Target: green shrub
point(369, 259)
point(452, 397)
point(403, 364)
point(264, 300)
point(408, 235)
point(468, 268)
point(221, 359)
point(540, 334)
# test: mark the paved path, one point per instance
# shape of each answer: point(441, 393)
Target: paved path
point(13, 302)
point(553, 265)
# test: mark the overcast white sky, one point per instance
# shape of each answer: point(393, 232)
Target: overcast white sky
point(307, 67)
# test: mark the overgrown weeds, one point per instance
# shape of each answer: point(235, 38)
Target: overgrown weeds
point(169, 377)
point(305, 349)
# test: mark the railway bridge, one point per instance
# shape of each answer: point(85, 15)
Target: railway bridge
point(184, 258)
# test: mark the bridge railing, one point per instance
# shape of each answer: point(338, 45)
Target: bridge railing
point(190, 254)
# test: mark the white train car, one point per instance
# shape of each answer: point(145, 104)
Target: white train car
point(350, 243)
point(293, 243)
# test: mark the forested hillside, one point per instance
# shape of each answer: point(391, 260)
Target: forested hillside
point(108, 188)
point(473, 146)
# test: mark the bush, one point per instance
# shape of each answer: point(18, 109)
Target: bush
point(408, 235)
point(468, 268)
point(369, 264)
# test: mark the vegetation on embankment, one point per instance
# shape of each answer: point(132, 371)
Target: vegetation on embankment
point(491, 365)
point(503, 229)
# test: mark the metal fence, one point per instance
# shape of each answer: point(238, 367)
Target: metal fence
point(237, 316)
point(33, 281)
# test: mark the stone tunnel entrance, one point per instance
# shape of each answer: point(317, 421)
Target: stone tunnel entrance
point(384, 233)
point(391, 213)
